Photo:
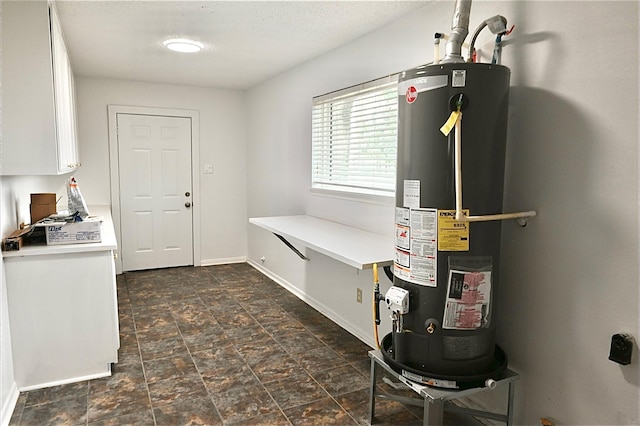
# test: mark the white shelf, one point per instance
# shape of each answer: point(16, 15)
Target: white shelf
point(353, 246)
point(108, 240)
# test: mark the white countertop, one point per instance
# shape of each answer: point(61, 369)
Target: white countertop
point(108, 240)
point(346, 244)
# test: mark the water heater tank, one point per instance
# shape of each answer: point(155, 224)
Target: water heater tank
point(450, 268)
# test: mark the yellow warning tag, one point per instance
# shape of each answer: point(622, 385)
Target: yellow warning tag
point(453, 235)
point(451, 121)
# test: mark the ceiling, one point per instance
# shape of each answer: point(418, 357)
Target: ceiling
point(246, 42)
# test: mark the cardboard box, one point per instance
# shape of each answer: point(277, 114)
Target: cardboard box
point(15, 240)
point(87, 231)
point(42, 205)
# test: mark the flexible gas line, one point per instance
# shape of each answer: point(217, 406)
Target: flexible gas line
point(376, 291)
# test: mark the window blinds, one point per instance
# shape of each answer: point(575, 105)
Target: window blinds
point(354, 137)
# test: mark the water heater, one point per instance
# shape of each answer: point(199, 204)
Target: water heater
point(448, 267)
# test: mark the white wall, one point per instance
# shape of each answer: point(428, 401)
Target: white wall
point(222, 144)
point(8, 387)
point(570, 278)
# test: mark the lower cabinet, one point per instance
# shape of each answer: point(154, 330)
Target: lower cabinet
point(63, 317)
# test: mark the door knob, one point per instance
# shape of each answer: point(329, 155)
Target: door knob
point(187, 194)
point(187, 204)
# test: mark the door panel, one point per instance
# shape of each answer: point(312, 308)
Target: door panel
point(154, 154)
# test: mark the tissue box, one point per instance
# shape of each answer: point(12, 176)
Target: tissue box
point(87, 231)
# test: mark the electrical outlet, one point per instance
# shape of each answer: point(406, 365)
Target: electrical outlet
point(359, 295)
point(621, 348)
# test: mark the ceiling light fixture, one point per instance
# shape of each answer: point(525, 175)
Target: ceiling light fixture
point(183, 45)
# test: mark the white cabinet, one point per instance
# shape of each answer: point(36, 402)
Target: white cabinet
point(39, 135)
point(63, 314)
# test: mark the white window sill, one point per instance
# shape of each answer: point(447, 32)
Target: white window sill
point(368, 196)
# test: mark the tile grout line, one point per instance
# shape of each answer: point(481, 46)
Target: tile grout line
point(144, 372)
point(191, 356)
point(292, 355)
point(245, 361)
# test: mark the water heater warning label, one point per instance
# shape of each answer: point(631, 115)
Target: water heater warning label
point(468, 300)
point(416, 245)
point(453, 235)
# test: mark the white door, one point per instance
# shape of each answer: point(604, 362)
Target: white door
point(154, 157)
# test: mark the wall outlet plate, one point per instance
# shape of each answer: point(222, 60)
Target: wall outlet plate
point(359, 295)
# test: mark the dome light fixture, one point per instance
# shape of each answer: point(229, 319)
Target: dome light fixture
point(183, 45)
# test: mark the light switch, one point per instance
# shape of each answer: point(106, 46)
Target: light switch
point(208, 169)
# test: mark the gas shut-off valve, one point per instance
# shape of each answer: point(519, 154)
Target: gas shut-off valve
point(398, 302)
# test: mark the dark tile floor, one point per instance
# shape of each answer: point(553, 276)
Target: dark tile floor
point(219, 345)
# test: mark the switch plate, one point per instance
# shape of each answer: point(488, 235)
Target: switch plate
point(359, 295)
point(208, 169)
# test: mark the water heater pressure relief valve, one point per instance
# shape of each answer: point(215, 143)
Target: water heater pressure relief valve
point(397, 300)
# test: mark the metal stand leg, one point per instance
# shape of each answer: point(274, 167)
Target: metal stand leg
point(510, 404)
point(433, 413)
point(372, 391)
point(433, 400)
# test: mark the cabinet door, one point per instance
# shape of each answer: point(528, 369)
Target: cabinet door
point(38, 119)
point(64, 94)
point(63, 317)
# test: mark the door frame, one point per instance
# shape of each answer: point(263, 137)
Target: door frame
point(114, 168)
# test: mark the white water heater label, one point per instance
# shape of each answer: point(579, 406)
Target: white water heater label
point(416, 245)
point(468, 300)
point(411, 196)
point(459, 78)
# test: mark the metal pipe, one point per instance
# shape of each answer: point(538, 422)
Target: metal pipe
point(460, 216)
point(501, 216)
point(459, 31)
point(458, 167)
point(436, 47)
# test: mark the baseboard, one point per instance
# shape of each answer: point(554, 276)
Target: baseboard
point(67, 381)
point(223, 261)
point(9, 404)
point(314, 303)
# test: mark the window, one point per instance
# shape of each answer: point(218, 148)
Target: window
point(354, 138)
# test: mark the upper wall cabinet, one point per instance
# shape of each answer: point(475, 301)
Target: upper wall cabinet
point(39, 134)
